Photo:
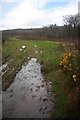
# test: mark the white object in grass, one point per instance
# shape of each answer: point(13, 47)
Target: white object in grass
point(35, 46)
point(20, 49)
point(28, 57)
point(36, 51)
point(23, 47)
point(34, 59)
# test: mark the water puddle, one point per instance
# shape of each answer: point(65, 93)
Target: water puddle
point(28, 96)
point(3, 66)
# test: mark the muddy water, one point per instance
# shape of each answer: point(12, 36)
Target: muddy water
point(29, 96)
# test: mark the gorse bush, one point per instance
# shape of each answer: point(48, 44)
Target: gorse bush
point(69, 64)
point(69, 67)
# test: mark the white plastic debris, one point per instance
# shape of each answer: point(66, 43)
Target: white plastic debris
point(23, 47)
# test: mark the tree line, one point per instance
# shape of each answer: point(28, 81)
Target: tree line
point(69, 31)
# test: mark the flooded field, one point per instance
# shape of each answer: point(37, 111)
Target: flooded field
point(29, 96)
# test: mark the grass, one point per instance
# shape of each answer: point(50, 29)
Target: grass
point(51, 55)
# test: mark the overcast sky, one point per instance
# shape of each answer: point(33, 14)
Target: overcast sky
point(34, 13)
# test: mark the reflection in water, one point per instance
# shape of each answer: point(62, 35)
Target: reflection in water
point(28, 96)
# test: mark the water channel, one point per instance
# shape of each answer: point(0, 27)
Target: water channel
point(29, 96)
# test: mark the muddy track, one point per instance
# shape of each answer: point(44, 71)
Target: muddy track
point(29, 96)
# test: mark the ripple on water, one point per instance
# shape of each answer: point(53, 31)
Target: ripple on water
point(27, 96)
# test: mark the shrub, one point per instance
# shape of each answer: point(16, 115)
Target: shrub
point(69, 65)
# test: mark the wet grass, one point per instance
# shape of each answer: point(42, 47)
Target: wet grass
point(48, 54)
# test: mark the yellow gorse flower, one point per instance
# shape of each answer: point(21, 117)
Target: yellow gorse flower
point(69, 64)
point(69, 54)
point(74, 77)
